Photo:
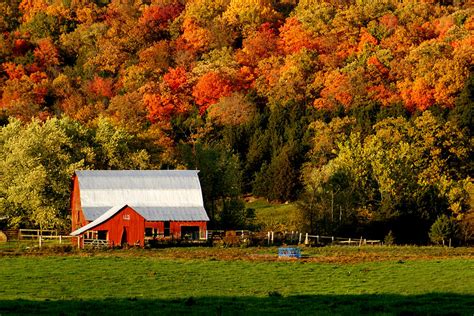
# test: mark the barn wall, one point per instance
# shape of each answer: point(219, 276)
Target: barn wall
point(77, 217)
point(115, 226)
point(175, 227)
point(157, 225)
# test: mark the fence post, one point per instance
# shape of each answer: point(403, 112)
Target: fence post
point(299, 240)
point(317, 239)
point(268, 238)
point(60, 240)
point(306, 241)
point(39, 241)
point(273, 235)
point(360, 242)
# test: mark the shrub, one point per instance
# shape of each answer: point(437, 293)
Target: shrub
point(443, 229)
point(389, 239)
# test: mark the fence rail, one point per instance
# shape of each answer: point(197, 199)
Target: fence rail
point(290, 238)
point(344, 240)
point(36, 236)
point(236, 236)
point(36, 233)
point(307, 239)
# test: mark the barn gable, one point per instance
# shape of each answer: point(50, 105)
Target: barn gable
point(118, 226)
point(157, 195)
point(101, 219)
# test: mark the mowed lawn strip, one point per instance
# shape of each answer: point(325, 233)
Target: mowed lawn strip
point(119, 283)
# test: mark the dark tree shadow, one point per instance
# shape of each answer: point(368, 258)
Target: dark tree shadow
point(427, 304)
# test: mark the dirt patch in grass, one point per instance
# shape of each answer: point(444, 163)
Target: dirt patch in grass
point(322, 255)
point(329, 254)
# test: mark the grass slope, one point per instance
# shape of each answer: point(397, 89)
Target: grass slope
point(274, 216)
point(155, 282)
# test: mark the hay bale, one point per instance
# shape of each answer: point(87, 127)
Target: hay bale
point(3, 237)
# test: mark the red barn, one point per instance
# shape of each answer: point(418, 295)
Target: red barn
point(128, 206)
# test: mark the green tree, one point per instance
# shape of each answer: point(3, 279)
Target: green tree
point(280, 179)
point(36, 168)
point(402, 177)
point(39, 158)
point(463, 112)
point(220, 175)
point(443, 230)
point(114, 148)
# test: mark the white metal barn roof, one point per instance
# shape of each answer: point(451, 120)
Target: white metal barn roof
point(157, 195)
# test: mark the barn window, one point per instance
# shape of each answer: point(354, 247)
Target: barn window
point(102, 235)
point(148, 232)
point(167, 229)
point(126, 217)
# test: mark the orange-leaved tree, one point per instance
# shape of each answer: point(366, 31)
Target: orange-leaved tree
point(209, 89)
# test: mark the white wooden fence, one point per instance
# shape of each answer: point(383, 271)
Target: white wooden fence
point(295, 237)
point(319, 239)
point(42, 235)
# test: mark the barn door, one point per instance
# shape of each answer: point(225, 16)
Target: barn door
point(124, 240)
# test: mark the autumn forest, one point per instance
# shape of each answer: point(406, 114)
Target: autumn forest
point(358, 111)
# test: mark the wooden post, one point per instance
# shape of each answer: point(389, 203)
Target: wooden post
point(360, 242)
point(207, 234)
point(449, 243)
point(79, 242)
point(39, 241)
point(306, 241)
point(317, 239)
point(268, 238)
point(273, 235)
point(60, 240)
point(299, 240)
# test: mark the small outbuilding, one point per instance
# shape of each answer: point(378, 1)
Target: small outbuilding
point(117, 207)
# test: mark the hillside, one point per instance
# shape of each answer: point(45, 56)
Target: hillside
point(361, 110)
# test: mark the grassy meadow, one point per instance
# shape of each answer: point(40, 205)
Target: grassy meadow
point(274, 216)
point(329, 280)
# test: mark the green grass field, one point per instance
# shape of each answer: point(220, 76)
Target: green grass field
point(330, 280)
point(274, 216)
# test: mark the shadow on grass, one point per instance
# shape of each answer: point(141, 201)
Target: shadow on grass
point(427, 304)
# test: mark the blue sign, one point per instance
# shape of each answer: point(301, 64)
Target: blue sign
point(289, 252)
